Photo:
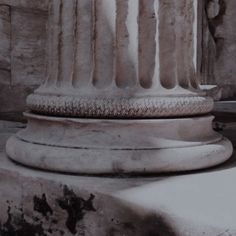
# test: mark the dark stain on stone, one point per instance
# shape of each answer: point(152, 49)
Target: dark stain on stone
point(121, 228)
point(157, 226)
point(41, 205)
point(36, 219)
point(129, 226)
point(16, 225)
point(218, 126)
point(117, 167)
point(54, 221)
point(62, 232)
point(113, 232)
point(75, 206)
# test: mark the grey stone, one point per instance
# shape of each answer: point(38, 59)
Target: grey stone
point(215, 69)
point(118, 146)
point(30, 4)
point(44, 203)
point(120, 138)
point(13, 101)
point(28, 40)
point(22, 53)
point(5, 34)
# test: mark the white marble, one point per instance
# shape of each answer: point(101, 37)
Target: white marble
point(198, 204)
point(126, 59)
point(121, 92)
point(99, 146)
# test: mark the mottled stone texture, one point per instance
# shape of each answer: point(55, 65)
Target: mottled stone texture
point(22, 52)
point(5, 29)
point(27, 45)
point(219, 45)
point(46, 204)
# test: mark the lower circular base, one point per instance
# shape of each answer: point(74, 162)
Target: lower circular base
point(89, 146)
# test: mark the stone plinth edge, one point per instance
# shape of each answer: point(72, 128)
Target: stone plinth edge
point(91, 146)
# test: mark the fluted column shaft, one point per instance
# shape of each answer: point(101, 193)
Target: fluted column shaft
point(121, 58)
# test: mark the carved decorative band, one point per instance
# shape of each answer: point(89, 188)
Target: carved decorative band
point(119, 108)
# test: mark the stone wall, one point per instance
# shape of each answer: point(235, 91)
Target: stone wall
point(22, 52)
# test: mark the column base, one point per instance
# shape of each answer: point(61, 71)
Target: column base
point(126, 108)
point(92, 146)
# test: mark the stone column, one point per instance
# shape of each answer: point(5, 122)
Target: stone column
point(121, 92)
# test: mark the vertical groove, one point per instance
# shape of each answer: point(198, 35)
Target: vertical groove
point(58, 26)
point(93, 46)
point(75, 52)
point(184, 52)
point(49, 61)
point(84, 43)
point(194, 80)
point(123, 41)
point(104, 43)
point(54, 35)
point(195, 26)
point(67, 42)
point(185, 44)
point(127, 43)
point(133, 30)
point(167, 39)
point(156, 76)
point(147, 44)
point(11, 46)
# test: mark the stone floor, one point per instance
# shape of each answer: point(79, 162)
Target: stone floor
point(34, 202)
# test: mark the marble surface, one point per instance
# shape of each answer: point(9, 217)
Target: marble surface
point(115, 146)
point(193, 203)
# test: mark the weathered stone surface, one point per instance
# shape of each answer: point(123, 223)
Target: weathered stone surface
point(196, 205)
point(28, 37)
point(114, 84)
point(110, 88)
point(22, 53)
point(13, 101)
point(5, 34)
point(217, 57)
point(42, 203)
point(32, 4)
point(118, 146)
point(56, 204)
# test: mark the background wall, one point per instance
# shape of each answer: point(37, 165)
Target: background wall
point(22, 52)
point(23, 49)
point(218, 62)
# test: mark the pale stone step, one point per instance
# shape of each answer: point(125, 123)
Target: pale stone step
point(43, 203)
